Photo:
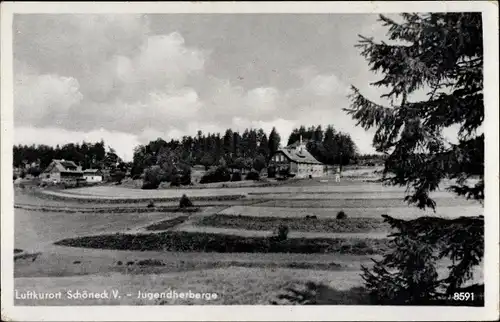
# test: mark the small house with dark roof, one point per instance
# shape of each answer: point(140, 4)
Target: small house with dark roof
point(62, 171)
point(297, 161)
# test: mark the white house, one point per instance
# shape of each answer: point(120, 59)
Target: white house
point(92, 175)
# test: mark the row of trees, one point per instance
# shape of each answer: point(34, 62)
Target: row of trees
point(244, 151)
point(233, 149)
point(162, 161)
point(87, 154)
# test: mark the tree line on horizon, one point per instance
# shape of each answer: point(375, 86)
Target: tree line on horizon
point(35, 158)
point(250, 149)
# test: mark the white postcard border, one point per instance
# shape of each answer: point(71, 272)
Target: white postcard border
point(256, 313)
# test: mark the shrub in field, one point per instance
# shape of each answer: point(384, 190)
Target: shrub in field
point(185, 202)
point(281, 233)
point(151, 204)
point(236, 176)
point(341, 215)
point(119, 263)
point(219, 174)
point(252, 175)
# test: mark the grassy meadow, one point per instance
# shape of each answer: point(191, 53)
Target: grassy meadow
point(228, 242)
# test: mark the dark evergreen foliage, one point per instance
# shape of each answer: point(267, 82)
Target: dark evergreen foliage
point(441, 53)
point(219, 174)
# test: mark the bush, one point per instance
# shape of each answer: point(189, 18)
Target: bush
point(34, 171)
point(271, 172)
point(184, 174)
point(252, 175)
point(185, 202)
point(281, 233)
point(117, 176)
point(150, 185)
point(259, 163)
point(151, 204)
point(219, 174)
point(236, 176)
point(284, 173)
point(152, 177)
point(15, 177)
point(341, 215)
point(176, 181)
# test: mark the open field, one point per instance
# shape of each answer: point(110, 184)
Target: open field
point(222, 245)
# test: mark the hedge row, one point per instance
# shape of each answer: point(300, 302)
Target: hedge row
point(348, 225)
point(204, 242)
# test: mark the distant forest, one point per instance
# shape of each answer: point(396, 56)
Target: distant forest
point(250, 149)
point(88, 155)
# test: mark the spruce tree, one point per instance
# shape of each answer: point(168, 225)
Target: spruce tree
point(274, 141)
point(441, 53)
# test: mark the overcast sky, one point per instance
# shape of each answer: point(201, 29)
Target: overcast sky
point(129, 79)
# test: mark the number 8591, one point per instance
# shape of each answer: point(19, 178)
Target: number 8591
point(463, 296)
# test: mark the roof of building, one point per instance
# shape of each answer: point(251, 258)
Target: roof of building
point(92, 171)
point(299, 155)
point(63, 166)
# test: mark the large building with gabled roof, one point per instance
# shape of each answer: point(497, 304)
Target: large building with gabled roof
point(62, 171)
point(297, 161)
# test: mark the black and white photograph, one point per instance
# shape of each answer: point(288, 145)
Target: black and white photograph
point(230, 157)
